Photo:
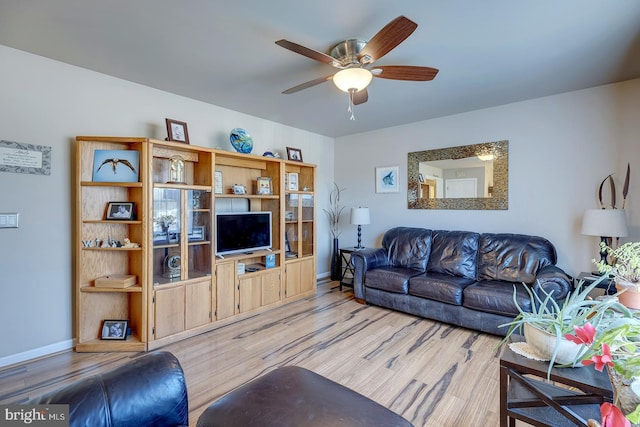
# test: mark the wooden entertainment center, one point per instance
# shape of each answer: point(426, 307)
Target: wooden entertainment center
point(149, 239)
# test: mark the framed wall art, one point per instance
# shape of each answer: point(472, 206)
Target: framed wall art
point(120, 210)
point(116, 165)
point(387, 179)
point(177, 131)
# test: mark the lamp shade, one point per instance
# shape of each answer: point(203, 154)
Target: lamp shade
point(360, 216)
point(352, 78)
point(604, 223)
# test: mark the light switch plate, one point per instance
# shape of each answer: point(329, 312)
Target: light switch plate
point(9, 220)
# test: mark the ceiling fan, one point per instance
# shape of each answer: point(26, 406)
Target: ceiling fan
point(354, 59)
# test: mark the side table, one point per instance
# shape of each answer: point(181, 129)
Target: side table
point(571, 397)
point(347, 268)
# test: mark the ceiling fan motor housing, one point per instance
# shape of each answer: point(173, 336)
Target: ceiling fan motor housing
point(346, 52)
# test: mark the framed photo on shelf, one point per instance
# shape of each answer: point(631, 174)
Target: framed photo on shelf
point(387, 179)
point(116, 165)
point(114, 329)
point(218, 182)
point(294, 154)
point(177, 131)
point(420, 177)
point(197, 234)
point(120, 210)
point(292, 181)
point(263, 185)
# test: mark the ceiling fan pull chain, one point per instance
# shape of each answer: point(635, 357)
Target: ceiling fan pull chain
point(351, 106)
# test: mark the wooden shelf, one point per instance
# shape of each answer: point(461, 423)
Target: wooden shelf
point(134, 288)
point(248, 196)
point(111, 221)
point(176, 186)
point(111, 184)
point(98, 345)
point(112, 249)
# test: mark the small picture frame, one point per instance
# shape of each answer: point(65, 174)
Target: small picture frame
point(263, 185)
point(114, 329)
point(292, 181)
point(177, 131)
point(197, 234)
point(387, 179)
point(420, 177)
point(294, 154)
point(218, 182)
point(120, 211)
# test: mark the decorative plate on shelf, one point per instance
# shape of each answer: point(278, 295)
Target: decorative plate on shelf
point(241, 140)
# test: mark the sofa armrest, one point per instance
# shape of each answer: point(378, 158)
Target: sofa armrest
point(149, 391)
point(553, 279)
point(363, 260)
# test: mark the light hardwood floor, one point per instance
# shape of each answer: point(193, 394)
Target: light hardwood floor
point(431, 373)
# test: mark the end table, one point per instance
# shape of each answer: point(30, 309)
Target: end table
point(347, 268)
point(571, 397)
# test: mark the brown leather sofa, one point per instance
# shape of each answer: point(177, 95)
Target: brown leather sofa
point(458, 277)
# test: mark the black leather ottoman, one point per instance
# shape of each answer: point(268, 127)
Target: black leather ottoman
point(294, 396)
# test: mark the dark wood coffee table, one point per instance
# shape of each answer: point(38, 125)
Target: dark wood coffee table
point(571, 397)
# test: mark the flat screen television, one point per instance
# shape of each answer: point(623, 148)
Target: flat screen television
point(238, 232)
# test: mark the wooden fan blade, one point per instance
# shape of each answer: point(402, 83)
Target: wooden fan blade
point(405, 72)
point(360, 97)
point(308, 84)
point(305, 51)
point(394, 33)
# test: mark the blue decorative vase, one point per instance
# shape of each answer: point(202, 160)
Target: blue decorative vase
point(241, 141)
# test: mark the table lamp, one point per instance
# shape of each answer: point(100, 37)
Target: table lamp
point(360, 217)
point(606, 224)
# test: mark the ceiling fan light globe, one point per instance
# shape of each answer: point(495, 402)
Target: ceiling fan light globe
point(352, 78)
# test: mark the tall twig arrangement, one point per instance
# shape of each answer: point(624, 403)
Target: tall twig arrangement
point(625, 189)
point(335, 210)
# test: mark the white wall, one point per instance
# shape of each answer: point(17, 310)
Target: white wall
point(560, 149)
point(45, 102)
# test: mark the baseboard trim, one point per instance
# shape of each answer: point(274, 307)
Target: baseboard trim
point(35, 353)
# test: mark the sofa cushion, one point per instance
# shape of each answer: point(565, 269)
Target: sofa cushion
point(454, 253)
point(439, 287)
point(391, 279)
point(513, 257)
point(495, 296)
point(407, 247)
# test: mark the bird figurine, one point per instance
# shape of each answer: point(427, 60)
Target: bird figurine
point(115, 162)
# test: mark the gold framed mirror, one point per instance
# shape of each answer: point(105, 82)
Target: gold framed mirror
point(474, 177)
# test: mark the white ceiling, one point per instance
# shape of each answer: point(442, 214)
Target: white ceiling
point(489, 52)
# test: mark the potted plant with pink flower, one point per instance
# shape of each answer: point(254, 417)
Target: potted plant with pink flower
point(616, 348)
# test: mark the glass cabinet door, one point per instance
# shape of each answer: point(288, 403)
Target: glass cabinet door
point(198, 233)
point(167, 250)
point(306, 218)
point(291, 217)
